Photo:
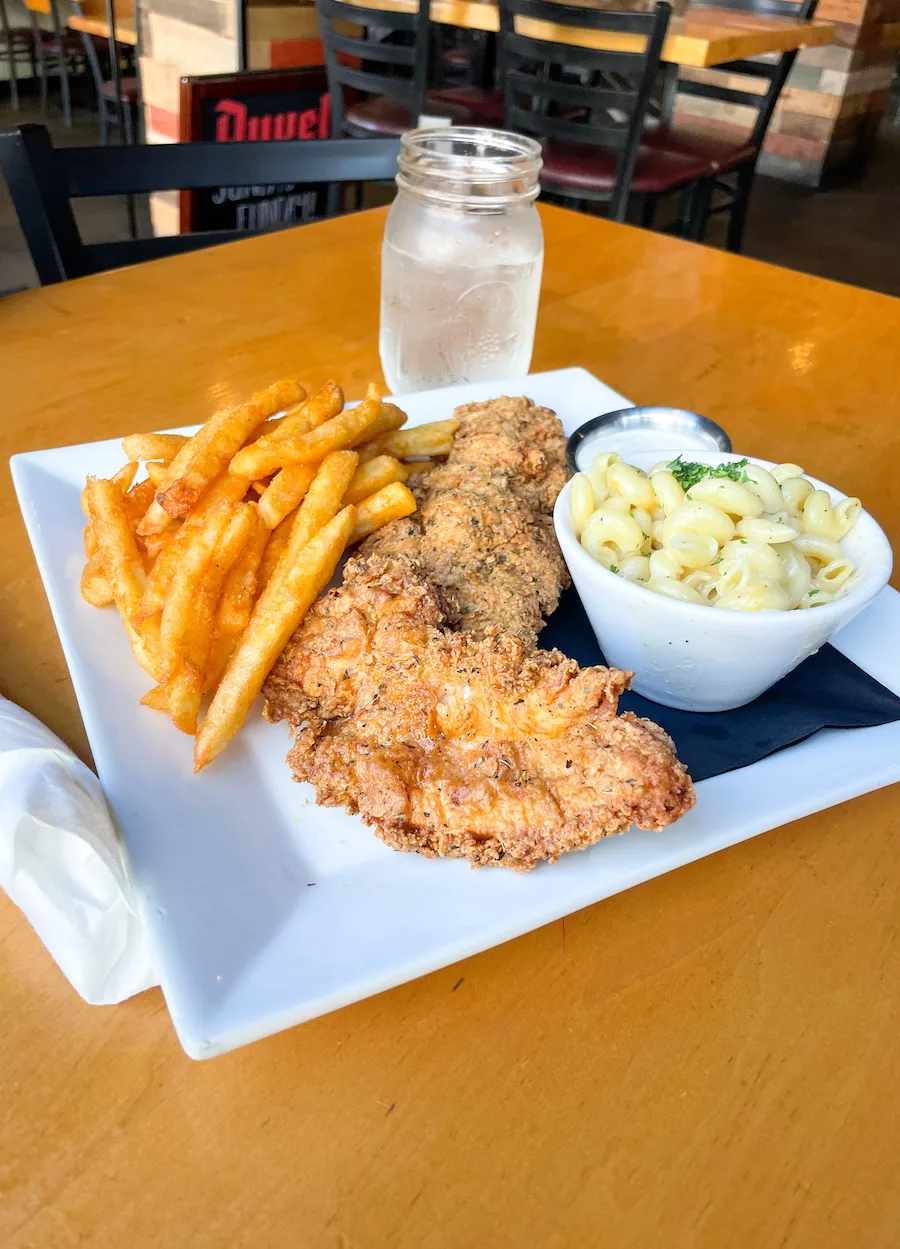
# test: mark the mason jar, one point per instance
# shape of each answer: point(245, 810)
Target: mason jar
point(461, 259)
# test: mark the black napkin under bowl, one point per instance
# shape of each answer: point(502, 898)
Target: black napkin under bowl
point(826, 691)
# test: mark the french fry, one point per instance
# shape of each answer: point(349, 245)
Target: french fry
point(388, 419)
point(95, 587)
point(137, 500)
point(378, 472)
point(123, 479)
point(156, 472)
point(284, 492)
point(226, 490)
point(278, 540)
point(157, 698)
point(416, 467)
point(209, 452)
point(277, 613)
point(155, 543)
point(236, 603)
point(154, 446)
point(310, 413)
point(391, 503)
point(122, 563)
point(185, 686)
point(186, 581)
point(338, 432)
point(323, 501)
point(125, 476)
point(435, 438)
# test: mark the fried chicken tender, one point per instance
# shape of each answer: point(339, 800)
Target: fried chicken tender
point(451, 744)
point(483, 531)
point(416, 694)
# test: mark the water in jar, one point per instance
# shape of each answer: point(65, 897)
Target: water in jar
point(459, 295)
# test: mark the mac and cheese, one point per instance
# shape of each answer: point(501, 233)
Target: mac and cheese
point(735, 536)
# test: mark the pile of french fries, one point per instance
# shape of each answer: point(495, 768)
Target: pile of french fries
point(214, 558)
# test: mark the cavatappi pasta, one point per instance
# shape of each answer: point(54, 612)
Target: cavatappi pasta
point(735, 536)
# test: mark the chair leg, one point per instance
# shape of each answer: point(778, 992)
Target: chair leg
point(40, 58)
point(685, 209)
point(648, 211)
point(333, 199)
point(93, 64)
point(10, 56)
point(734, 238)
point(63, 65)
point(128, 122)
point(699, 211)
point(103, 123)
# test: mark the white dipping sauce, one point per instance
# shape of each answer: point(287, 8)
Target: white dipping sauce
point(646, 438)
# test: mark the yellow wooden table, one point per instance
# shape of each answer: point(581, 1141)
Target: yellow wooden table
point(703, 36)
point(709, 1061)
point(98, 25)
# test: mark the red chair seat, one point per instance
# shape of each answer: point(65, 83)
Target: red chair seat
point(389, 118)
point(71, 41)
point(719, 154)
point(578, 166)
point(485, 106)
point(128, 90)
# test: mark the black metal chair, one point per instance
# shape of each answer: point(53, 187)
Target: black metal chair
point(587, 106)
point(730, 164)
point(385, 65)
point(43, 180)
point(18, 52)
point(57, 53)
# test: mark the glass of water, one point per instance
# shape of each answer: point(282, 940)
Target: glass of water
point(461, 260)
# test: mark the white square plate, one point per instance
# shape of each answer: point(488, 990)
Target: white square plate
point(264, 910)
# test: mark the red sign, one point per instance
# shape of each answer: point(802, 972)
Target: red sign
point(260, 106)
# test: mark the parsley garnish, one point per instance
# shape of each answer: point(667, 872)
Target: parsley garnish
point(717, 561)
point(613, 568)
point(687, 473)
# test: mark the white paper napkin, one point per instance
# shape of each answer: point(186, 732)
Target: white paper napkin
point(62, 863)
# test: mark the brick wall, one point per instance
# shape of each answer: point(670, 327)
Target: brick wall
point(832, 103)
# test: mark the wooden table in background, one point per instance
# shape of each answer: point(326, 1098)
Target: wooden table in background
point(709, 1061)
point(703, 36)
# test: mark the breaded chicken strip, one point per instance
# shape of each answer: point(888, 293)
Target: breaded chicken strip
point(484, 528)
point(454, 744)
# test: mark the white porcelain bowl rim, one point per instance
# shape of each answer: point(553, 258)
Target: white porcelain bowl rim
point(874, 571)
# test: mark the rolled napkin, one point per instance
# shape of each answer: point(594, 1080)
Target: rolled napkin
point(61, 862)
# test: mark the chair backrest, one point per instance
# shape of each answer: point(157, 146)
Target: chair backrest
point(43, 180)
point(560, 91)
point(375, 51)
point(771, 70)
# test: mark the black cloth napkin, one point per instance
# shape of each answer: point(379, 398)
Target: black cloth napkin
point(826, 691)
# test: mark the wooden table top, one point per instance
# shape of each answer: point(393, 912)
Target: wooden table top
point(92, 19)
point(707, 1061)
point(125, 30)
point(702, 36)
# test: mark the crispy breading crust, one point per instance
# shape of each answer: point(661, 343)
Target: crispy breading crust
point(451, 744)
point(462, 742)
point(484, 527)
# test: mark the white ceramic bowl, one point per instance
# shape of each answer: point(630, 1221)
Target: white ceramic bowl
point(699, 658)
